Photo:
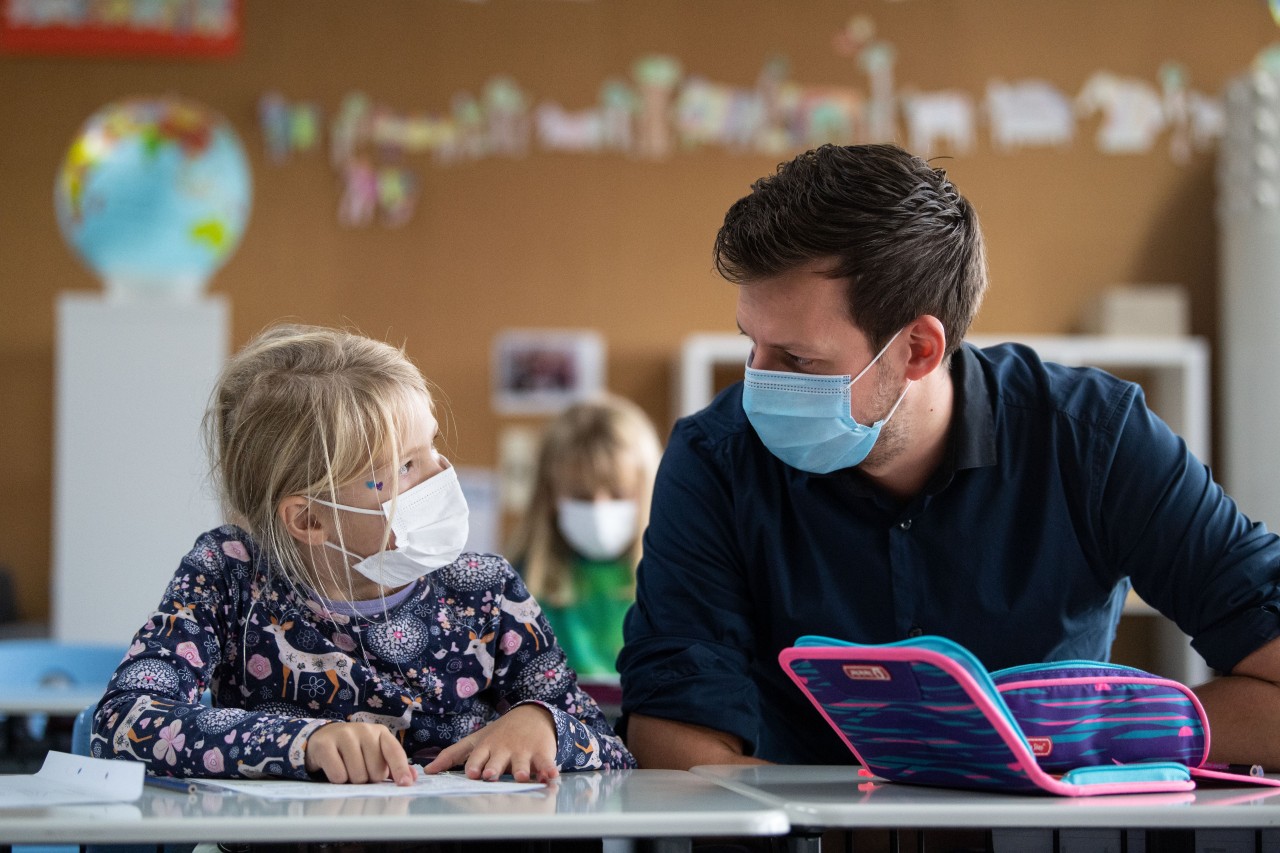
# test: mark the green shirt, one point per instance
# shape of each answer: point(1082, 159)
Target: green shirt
point(590, 629)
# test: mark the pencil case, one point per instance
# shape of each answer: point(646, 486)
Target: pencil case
point(925, 711)
point(1084, 713)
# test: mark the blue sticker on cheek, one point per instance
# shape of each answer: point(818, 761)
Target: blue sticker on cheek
point(370, 484)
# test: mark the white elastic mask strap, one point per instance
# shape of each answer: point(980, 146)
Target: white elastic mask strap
point(883, 350)
point(899, 403)
point(358, 509)
point(342, 550)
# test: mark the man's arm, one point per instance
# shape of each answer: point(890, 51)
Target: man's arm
point(1244, 710)
point(667, 745)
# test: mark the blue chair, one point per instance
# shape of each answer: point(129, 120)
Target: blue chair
point(57, 671)
point(39, 663)
point(82, 730)
point(36, 668)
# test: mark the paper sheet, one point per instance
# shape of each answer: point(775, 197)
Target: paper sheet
point(442, 785)
point(66, 779)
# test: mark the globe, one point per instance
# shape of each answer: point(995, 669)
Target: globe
point(154, 195)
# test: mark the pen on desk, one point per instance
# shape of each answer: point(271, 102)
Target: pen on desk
point(169, 783)
point(1240, 769)
point(186, 786)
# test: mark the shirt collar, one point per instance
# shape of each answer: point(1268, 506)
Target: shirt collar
point(973, 424)
point(972, 442)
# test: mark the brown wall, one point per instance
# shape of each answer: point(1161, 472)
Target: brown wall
point(569, 240)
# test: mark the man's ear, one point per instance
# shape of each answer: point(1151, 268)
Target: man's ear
point(296, 514)
point(928, 341)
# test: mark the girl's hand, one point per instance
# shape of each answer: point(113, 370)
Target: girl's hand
point(523, 741)
point(358, 753)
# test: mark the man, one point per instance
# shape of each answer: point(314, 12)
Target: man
point(875, 479)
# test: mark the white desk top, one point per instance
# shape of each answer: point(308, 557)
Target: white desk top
point(64, 702)
point(837, 797)
point(612, 803)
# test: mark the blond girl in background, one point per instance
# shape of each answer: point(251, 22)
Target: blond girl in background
point(341, 629)
point(579, 542)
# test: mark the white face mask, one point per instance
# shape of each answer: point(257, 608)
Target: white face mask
point(598, 530)
point(430, 524)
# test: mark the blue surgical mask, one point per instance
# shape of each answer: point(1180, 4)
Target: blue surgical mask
point(806, 421)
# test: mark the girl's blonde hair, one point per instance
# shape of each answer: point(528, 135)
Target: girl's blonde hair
point(592, 445)
point(303, 410)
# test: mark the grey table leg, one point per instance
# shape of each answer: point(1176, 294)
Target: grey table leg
point(804, 841)
point(665, 845)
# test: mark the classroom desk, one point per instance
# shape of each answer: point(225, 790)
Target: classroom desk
point(55, 701)
point(667, 805)
point(836, 797)
point(24, 713)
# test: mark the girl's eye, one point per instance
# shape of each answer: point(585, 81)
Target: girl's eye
point(406, 468)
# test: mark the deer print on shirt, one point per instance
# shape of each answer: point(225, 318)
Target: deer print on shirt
point(479, 646)
point(398, 725)
point(180, 613)
point(332, 665)
point(297, 757)
point(125, 738)
point(526, 613)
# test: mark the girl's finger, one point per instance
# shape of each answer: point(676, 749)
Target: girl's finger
point(520, 768)
point(450, 756)
point(544, 768)
point(476, 762)
point(495, 766)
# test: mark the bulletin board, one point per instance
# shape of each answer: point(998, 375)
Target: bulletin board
point(568, 234)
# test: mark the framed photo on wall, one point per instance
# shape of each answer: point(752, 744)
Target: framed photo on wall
point(540, 371)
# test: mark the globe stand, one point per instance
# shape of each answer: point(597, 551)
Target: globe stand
point(176, 287)
point(132, 378)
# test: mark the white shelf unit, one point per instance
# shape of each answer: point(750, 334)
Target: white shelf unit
point(1175, 378)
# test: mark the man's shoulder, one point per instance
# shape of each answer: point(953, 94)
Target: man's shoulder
point(1021, 380)
point(722, 419)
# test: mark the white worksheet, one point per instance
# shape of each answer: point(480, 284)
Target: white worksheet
point(441, 785)
point(66, 779)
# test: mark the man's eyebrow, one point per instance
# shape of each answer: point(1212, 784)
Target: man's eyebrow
point(786, 347)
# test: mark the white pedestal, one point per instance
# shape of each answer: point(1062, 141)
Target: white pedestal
point(131, 490)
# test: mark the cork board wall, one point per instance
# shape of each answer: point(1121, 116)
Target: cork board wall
point(602, 240)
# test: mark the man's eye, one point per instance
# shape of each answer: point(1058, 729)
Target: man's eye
point(799, 360)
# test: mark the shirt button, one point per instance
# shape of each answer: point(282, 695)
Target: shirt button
point(915, 632)
point(904, 525)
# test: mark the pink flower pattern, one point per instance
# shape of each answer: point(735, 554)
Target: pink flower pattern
point(235, 550)
point(170, 742)
point(259, 667)
point(212, 760)
point(188, 652)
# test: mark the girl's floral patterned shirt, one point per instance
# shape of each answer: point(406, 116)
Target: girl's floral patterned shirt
point(465, 644)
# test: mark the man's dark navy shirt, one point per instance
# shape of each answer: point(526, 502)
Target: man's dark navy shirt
point(1059, 488)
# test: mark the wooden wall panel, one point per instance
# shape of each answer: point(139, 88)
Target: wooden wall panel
point(602, 240)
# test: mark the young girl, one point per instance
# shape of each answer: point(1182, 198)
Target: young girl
point(579, 542)
point(338, 625)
